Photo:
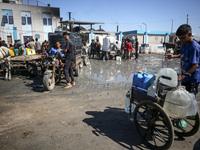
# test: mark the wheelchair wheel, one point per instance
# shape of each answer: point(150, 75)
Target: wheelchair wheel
point(153, 125)
point(187, 126)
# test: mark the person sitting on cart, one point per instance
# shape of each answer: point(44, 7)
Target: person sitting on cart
point(190, 59)
point(57, 49)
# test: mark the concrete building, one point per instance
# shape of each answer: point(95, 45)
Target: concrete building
point(20, 21)
point(146, 37)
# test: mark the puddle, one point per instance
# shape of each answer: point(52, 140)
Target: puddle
point(112, 71)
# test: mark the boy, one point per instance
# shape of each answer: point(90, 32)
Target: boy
point(190, 59)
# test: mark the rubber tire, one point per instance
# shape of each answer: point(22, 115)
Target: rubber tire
point(191, 132)
point(46, 79)
point(168, 123)
point(76, 73)
point(85, 61)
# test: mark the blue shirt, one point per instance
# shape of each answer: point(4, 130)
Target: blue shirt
point(190, 55)
point(54, 50)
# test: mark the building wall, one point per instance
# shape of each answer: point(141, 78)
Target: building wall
point(140, 39)
point(156, 39)
point(7, 26)
point(36, 13)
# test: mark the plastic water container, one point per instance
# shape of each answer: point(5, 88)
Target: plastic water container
point(152, 88)
point(143, 80)
point(169, 72)
point(30, 51)
point(16, 52)
point(118, 58)
point(145, 48)
point(177, 103)
point(127, 104)
point(193, 109)
point(12, 52)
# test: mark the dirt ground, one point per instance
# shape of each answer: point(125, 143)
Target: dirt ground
point(88, 116)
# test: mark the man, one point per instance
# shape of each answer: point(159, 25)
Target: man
point(69, 58)
point(3, 43)
point(93, 47)
point(57, 49)
point(128, 49)
point(116, 48)
point(37, 46)
point(31, 44)
point(26, 43)
point(123, 48)
point(190, 59)
point(136, 48)
point(0, 41)
point(98, 47)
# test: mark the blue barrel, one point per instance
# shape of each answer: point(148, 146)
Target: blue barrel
point(143, 80)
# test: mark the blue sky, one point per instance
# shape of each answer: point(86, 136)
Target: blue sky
point(128, 14)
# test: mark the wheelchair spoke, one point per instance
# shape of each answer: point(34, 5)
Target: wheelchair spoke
point(159, 134)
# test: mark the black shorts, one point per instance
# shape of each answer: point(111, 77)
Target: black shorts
point(191, 87)
point(38, 51)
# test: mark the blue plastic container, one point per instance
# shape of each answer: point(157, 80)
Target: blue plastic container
point(143, 80)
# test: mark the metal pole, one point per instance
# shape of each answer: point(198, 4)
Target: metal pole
point(145, 26)
point(28, 2)
point(172, 26)
point(187, 18)
point(69, 15)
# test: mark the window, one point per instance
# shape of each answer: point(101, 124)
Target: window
point(49, 21)
point(44, 21)
point(29, 20)
point(11, 20)
point(5, 19)
point(23, 20)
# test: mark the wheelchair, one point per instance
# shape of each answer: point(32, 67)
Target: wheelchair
point(153, 124)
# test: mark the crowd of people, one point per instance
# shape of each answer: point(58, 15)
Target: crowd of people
point(124, 51)
point(32, 44)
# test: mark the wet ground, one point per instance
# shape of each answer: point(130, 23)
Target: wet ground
point(90, 115)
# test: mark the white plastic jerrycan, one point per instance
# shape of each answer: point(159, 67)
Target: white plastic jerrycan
point(169, 72)
point(177, 103)
point(193, 109)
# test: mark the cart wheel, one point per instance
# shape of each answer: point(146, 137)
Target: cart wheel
point(153, 125)
point(76, 74)
point(187, 126)
point(86, 61)
point(48, 82)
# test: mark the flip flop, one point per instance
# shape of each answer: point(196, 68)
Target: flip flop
point(67, 86)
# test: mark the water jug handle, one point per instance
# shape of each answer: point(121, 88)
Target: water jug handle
point(145, 74)
point(165, 77)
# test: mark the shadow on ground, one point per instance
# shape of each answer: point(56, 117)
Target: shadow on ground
point(197, 145)
point(114, 123)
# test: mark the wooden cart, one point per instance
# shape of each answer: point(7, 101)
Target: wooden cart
point(25, 63)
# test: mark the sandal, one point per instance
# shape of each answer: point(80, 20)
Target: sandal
point(73, 83)
point(67, 86)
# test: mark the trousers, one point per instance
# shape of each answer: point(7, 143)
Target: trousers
point(69, 70)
